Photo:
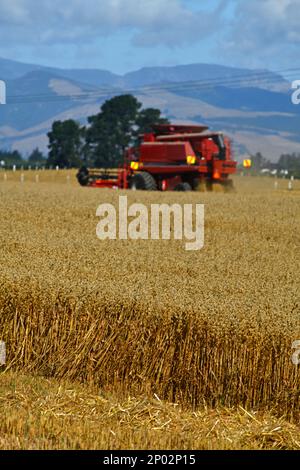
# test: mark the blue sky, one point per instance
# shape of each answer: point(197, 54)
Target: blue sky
point(124, 35)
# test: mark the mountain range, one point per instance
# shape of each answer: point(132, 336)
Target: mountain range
point(253, 107)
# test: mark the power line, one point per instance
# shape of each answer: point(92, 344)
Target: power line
point(193, 85)
point(201, 84)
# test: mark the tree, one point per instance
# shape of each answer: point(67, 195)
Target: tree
point(112, 130)
point(11, 158)
point(115, 128)
point(290, 162)
point(147, 117)
point(65, 144)
point(36, 157)
point(258, 162)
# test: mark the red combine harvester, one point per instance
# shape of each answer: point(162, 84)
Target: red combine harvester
point(171, 157)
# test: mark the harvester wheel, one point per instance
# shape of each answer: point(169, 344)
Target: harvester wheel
point(183, 187)
point(83, 176)
point(143, 181)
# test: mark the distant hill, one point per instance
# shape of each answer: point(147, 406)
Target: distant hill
point(205, 72)
point(10, 69)
point(252, 106)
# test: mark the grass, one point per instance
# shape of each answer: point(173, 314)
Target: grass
point(210, 330)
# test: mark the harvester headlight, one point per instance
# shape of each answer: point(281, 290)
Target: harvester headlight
point(247, 163)
point(191, 160)
point(134, 165)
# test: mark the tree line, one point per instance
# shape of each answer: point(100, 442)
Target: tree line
point(289, 162)
point(10, 158)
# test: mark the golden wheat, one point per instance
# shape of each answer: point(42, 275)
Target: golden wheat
point(207, 328)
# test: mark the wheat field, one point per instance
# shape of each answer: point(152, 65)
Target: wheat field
point(206, 332)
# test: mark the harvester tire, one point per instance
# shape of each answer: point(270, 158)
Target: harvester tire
point(83, 176)
point(183, 187)
point(143, 181)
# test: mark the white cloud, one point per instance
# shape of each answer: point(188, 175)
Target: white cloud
point(168, 22)
point(264, 32)
point(252, 33)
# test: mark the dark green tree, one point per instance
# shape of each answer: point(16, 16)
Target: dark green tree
point(258, 162)
point(11, 158)
point(36, 157)
point(65, 144)
point(115, 128)
point(112, 130)
point(147, 117)
point(290, 162)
